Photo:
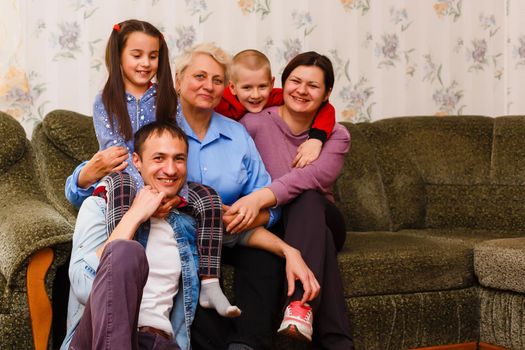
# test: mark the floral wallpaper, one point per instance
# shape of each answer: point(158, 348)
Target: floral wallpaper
point(392, 58)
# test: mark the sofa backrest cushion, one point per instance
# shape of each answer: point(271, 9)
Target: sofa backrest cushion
point(359, 190)
point(72, 133)
point(62, 141)
point(464, 171)
point(408, 172)
point(13, 143)
point(486, 206)
point(402, 183)
point(508, 152)
point(484, 188)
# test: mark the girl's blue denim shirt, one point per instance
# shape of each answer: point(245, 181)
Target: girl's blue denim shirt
point(141, 112)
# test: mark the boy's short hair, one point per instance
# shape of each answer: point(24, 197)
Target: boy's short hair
point(251, 59)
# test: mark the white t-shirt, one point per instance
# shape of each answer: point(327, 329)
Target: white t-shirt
point(163, 279)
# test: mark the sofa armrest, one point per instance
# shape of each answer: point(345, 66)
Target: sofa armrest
point(26, 226)
point(40, 309)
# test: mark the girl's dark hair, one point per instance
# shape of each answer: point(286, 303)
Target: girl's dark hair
point(311, 58)
point(114, 94)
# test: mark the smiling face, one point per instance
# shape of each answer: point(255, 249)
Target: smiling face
point(252, 87)
point(139, 62)
point(201, 84)
point(304, 90)
point(162, 163)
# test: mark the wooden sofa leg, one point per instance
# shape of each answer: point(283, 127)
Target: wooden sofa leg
point(40, 310)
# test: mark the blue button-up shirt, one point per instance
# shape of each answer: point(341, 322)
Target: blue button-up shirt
point(226, 160)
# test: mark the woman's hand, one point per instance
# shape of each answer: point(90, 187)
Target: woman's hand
point(165, 207)
point(307, 152)
point(110, 160)
point(296, 269)
point(247, 209)
point(242, 213)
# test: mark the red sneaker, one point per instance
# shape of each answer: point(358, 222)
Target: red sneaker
point(297, 321)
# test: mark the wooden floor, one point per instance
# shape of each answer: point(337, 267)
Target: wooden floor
point(464, 346)
point(485, 346)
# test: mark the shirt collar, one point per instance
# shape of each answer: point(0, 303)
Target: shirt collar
point(219, 127)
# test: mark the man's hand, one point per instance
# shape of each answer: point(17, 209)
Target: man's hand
point(296, 269)
point(307, 152)
point(165, 207)
point(145, 203)
point(104, 162)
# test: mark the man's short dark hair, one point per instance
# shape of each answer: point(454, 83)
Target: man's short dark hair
point(158, 128)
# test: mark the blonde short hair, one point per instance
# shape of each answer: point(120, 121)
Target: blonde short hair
point(211, 49)
point(252, 60)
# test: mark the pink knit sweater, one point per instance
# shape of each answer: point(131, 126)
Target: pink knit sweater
point(278, 147)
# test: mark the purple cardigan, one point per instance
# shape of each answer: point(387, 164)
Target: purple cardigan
point(278, 147)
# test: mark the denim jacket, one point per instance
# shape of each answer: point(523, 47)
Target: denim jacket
point(90, 233)
point(141, 112)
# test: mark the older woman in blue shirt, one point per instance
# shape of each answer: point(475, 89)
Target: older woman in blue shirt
point(223, 156)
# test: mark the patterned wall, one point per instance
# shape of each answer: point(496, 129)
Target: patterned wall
point(392, 57)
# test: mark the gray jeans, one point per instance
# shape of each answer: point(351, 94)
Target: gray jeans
point(231, 240)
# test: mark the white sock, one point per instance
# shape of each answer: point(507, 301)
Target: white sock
point(212, 297)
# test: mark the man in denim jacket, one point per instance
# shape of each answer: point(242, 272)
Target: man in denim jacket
point(126, 293)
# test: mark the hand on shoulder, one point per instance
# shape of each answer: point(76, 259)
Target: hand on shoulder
point(104, 162)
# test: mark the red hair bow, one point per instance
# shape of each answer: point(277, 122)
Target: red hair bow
point(117, 27)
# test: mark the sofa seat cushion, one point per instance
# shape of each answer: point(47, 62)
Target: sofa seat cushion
point(408, 261)
point(500, 264)
point(465, 236)
point(375, 263)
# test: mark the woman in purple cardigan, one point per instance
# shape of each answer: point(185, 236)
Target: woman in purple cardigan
point(313, 224)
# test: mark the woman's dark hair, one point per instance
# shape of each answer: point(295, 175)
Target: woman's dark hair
point(311, 58)
point(114, 93)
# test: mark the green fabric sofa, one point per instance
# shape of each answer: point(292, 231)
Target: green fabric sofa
point(29, 227)
point(435, 215)
point(435, 252)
